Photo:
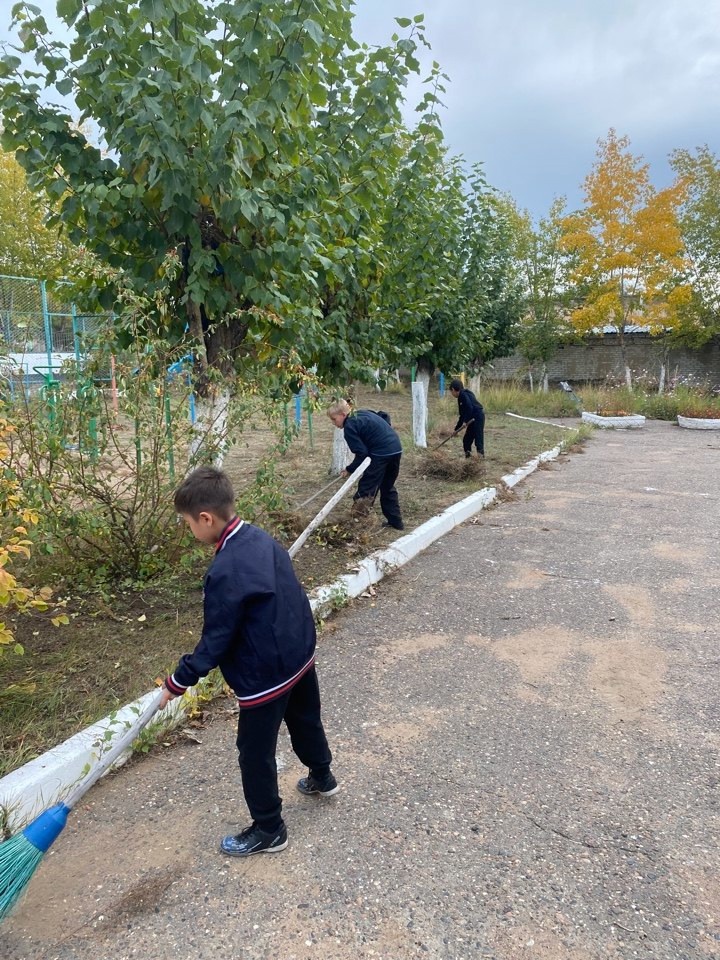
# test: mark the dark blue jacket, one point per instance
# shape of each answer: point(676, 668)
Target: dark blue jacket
point(258, 627)
point(368, 435)
point(469, 407)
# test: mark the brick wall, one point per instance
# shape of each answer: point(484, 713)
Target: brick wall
point(599, 358)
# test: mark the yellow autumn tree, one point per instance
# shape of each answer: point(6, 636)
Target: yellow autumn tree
point(626, 247)
point(28, 247)
point(15, 517)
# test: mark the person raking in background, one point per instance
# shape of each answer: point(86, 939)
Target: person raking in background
point(469, 408)
point(258, 628)
point(370, 435)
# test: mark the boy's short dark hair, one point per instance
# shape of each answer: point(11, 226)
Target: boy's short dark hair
point(205, 489)
point(456, 384)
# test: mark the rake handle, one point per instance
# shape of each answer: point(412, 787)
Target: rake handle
point(321, 490)
point(454, 433)
point(317, 520)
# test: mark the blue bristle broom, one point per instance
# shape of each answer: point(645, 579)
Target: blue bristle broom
point(20, 856)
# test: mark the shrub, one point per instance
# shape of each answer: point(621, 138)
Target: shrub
point(17, 517)
point(101, 485)
point(660, 407)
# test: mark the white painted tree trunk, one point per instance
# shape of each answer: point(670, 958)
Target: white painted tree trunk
point(474, 383)
point(341, 453)
point(423, 376)
point(210, 427)
point(545, 382)
point(530, 378)
point(628, 378)
point(663, 374)
point(419, 397)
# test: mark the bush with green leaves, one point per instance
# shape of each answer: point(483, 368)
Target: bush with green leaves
point(100, 480)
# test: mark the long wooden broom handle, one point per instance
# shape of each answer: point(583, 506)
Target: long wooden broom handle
point(115, 751)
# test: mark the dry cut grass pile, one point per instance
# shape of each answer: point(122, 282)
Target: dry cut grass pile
point(447, 465)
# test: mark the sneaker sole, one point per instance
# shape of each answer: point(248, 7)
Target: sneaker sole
point(319, 793)
point(242, 856)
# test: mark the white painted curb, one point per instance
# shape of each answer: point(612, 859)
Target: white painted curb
point(698, 423)
point(42, 782)
point(631, 422)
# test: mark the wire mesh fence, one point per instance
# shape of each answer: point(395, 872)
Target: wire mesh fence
point(41, 330)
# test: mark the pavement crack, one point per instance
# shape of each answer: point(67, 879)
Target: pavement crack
point(560, 833)
point(586, 843)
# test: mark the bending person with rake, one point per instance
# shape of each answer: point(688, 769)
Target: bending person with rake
point(369, 434)
point(471, 413)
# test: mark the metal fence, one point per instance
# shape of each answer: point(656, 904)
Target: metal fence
point(41, 329)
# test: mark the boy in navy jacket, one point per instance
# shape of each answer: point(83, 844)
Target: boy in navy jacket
point(258, 628)
point(370, 435)
point(469, 409)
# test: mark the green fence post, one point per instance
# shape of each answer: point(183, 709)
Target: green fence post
point(46, 323)
point(169, 435)
point(309, 418)
point(76, 335)
point(93, 431)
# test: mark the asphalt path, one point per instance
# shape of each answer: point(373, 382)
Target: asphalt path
point(525, 727)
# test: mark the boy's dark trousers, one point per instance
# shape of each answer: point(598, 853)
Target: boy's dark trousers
point(381, 475)
point(476, 432)
point(258, 729)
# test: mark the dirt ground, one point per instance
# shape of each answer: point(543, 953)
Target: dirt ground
point(304, 470)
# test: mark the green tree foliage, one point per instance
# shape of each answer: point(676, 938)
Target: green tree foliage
point(249, 137)
point(542, 263)
point(421, 248)
point(449, 279)
point(699, 173)
point(491, 293)
point(28, 247)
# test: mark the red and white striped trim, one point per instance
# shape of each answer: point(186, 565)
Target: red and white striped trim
point(174, 687)
point(257, 699)
point(229, 531)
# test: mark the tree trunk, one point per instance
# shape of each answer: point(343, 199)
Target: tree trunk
point(623, 355)
point(530, 380)
point(422, 375)
point(419, 396)
point(545, 382)
point(341, 453)
point(210, 430)
point(663, 374)
point(474, 383)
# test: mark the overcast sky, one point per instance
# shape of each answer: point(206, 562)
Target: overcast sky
point(535, 83)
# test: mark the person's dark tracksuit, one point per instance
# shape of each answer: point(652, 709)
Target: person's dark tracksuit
point(368, 435)
point(259, 630)
point(470, 408)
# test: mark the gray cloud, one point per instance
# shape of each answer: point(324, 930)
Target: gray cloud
point(534, 85)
